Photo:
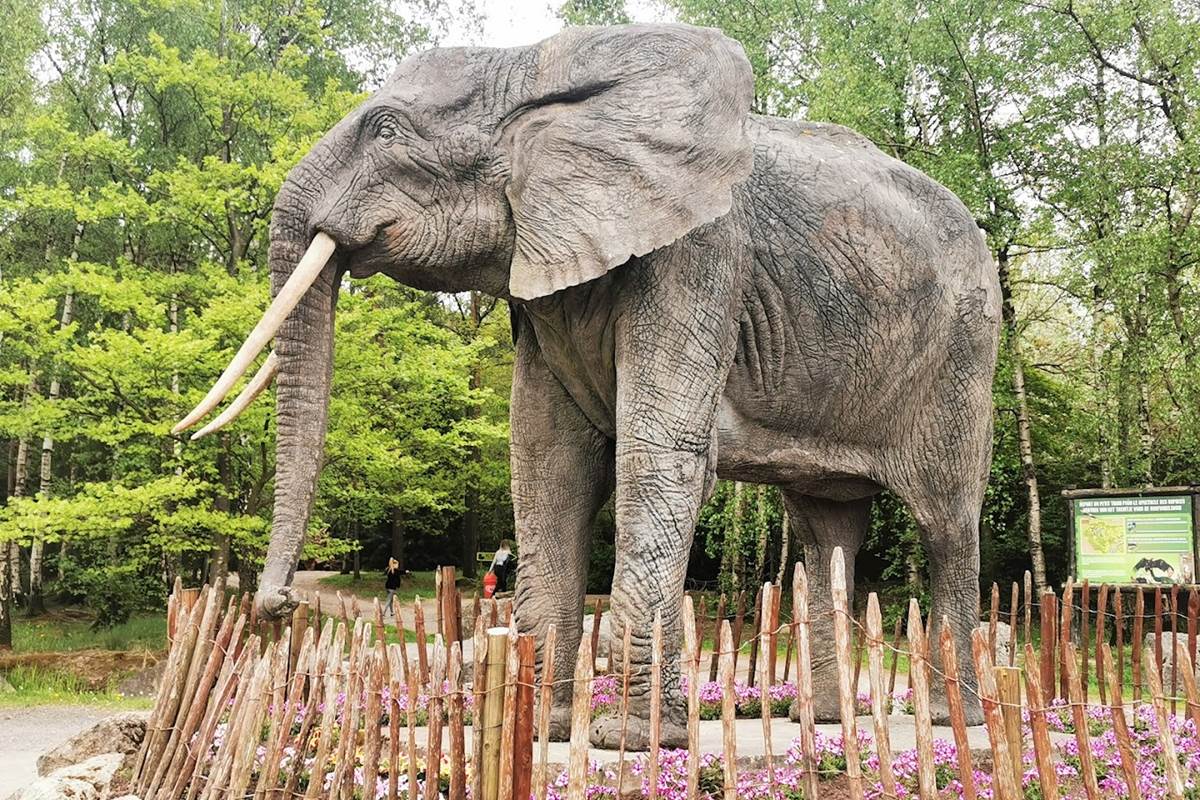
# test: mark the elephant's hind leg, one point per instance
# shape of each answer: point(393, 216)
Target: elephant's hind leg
point(823, 525)
point(562, 473)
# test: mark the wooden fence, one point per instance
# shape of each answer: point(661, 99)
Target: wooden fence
point(337, 705)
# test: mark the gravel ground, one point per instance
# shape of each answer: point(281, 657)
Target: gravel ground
point(26, 733)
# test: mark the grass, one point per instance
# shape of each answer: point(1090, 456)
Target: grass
point(370, 585)
point(34, 686)
point(66, 630)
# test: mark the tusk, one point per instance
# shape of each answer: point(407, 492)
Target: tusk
point(306, 272)
point(261, 380)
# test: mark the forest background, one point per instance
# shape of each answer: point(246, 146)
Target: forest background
point(142, 143)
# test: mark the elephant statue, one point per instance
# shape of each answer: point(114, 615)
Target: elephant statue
point(697, 291)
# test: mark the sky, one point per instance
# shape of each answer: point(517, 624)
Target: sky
point(509, 23)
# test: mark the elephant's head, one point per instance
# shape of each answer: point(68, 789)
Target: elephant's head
point(518, 172)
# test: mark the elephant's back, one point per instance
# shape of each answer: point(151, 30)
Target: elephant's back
point(868, 277)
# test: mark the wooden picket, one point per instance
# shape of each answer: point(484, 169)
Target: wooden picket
point(344, 701)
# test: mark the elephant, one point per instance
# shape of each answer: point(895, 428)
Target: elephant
point(697, 292)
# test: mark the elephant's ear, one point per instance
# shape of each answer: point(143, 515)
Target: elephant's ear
point(628, 138)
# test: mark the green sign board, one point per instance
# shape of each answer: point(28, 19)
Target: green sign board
point(1134, 539)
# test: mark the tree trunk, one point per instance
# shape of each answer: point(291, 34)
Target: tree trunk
point(398, 539)
point(6, 582)
point(1024, 426)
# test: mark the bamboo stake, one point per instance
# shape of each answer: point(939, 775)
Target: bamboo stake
point(581, 700)
point(958, 722)
point(493, 710)
point(479, 679)
point(1042, 748)
point(879, 702)
point(926, 777)
point(1165, 738)
point(652, 757)
point(1008, 687)
point(692, 637)
point(547, 701)
point(728, 710)
point(1121, 729)
point(846, 693)
point(988, 696)
point(804, 688)
point(508, 727)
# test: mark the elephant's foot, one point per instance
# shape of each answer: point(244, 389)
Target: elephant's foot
point(560, 724)
point(276, 602)
point(606, 733)
point(939, 707)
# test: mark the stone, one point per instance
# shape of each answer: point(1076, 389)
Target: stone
point(1168, 653)
point(1003, 642)
point(88, 780)
point(122, 734)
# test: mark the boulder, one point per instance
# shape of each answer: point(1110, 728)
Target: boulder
point(1003, 641)
point(121, 734)
point(1168, 651)
point(87, 780)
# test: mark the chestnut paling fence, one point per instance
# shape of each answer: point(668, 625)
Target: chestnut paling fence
point(336, 705)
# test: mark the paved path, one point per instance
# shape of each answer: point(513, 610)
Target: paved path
point(26, 733)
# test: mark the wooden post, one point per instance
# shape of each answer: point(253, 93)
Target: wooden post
point(846, 693)
point(1042, 748)
point(1158, 632)
point(712, 666)
point(1048, 610)
point(993, 618)
point(728, 710)
point(1013, 604)
point(1085, 610)
point(755, 637)
point(896, 634)
point(493, 710)
point(958, 722)
point(697, 629)
point(652, 757)
point(1135, 652)
point(433, 729)
point(860, 647)
point(1119, 633)
point(626, 676)
point(454, 719)
point(1101, 611)
point(773, 649)
point(597, 614)
point(1169, 758)
point(1064, 635)
point(1028, 608)
point(1189, 683)
point(767, 637)
point(1193, 613)
point(880, 705)
point(1174, 639)
point(449, 606)
point(544, 777)
point(993, 717)
point(581, 714)
point(522, 769)
point(1008, 685)
point(422, 645)
point(926, 777)
point(739, 620)
point(692, 638)
point(804, 687)
point(1121, 728)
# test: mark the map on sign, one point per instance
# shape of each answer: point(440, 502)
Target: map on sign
point(1134, 539)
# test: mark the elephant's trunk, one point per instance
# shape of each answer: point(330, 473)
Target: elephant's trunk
point(304, 347)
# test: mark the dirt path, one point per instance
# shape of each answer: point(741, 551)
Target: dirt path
point(308, 582)
point(26, 733)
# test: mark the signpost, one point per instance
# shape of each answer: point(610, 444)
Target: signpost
point(1133, 537)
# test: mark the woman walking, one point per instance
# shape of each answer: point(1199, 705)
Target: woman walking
point(392, 582)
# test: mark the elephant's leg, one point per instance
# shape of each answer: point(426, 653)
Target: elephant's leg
point(822, 525)
point(561, 476)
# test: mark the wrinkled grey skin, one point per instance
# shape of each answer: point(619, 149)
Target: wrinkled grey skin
point(698, 291)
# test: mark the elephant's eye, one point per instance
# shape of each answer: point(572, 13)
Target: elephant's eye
point(386, 132)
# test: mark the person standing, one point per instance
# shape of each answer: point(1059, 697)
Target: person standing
point(392, 580)
point(503, 565)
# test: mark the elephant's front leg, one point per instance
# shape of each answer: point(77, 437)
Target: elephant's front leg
point(561, 475)
point(674, 347)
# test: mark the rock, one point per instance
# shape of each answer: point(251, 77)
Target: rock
point(1003, 641)
point(87, 780)
point(1168, 650)
point(122, 734)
